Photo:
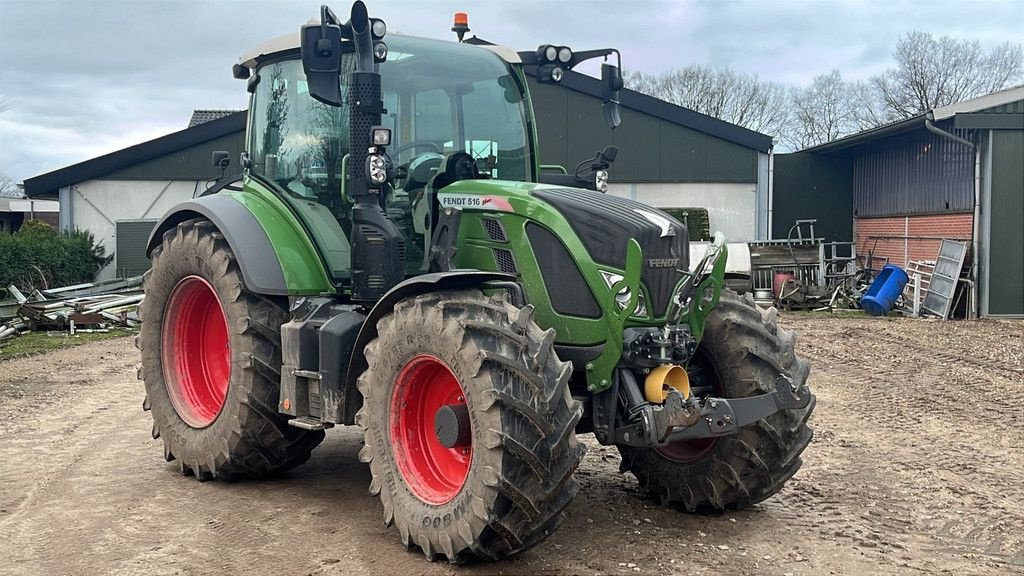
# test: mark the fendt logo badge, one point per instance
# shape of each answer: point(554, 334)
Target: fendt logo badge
point(662, 262)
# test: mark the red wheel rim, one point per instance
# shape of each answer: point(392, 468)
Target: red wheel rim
point(434, 473)
point(686, 450)
point(195, 351)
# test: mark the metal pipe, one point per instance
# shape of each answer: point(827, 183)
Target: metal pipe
point(973, 310)
point(929, 118)
point(892, 237)
point(771, 190)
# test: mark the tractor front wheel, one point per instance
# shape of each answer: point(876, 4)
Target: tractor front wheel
point(742, 353)
point(211, 358)
point(469, 426)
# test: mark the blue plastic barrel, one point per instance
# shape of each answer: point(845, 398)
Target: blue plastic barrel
point(884, 291)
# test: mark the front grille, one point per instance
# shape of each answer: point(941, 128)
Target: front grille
point(495, 231)
point(505, 261)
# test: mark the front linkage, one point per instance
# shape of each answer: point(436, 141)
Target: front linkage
point(664, 410)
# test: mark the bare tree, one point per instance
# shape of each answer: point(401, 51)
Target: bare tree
point(825, 110)
point(932, 72)
point(742, 99)
point(8, 187)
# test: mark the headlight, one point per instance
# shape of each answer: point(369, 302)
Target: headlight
point(550, 52)
point(564, 55)
point(380, 52)
point(622, 296)
point(601, 180)
point(376, 169)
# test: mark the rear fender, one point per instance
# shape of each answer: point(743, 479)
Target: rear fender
point(274, 258)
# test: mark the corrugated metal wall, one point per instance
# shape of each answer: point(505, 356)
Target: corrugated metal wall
point(916, 173)
point(1010, 108)
point(190, 163)
point(130, 250)
point(570, 127)
point(813, 186)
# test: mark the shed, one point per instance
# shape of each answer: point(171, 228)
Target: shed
point(955, 172)
point(670, 157)
point(128, 190)
point(15, 211)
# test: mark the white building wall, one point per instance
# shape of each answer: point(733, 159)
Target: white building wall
point(95, 205)
point(732, 208)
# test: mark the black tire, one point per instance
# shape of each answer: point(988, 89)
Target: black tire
point(248, 438)
point(524, 449)
point(742, 353)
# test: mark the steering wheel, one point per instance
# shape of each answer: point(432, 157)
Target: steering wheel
point(456, 166)
point(416, 144)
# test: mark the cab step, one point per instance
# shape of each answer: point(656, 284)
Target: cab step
point(308, 423)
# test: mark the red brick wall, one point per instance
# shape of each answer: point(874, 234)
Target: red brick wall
point(952, 226)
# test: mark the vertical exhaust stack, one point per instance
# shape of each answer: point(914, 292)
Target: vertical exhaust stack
point(378, 248)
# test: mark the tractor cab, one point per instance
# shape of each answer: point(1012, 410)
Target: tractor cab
point(442, 101)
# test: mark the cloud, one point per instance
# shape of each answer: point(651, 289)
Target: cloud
point(91, 77)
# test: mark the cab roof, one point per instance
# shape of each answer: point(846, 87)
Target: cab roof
point(290, 42)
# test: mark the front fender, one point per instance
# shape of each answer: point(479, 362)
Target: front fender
point(433, 282)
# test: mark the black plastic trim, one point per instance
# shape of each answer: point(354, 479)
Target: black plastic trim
point(567, 289)
point(261, 271)
point(579, 355)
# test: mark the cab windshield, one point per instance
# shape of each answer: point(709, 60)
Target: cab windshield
point(440, 98)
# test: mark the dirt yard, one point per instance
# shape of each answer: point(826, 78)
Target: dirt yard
point(917, 466)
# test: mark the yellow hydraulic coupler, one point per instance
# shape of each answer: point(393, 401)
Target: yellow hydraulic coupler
point(660, 379)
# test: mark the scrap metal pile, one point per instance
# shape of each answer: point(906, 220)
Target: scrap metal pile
point(82, 307)
point(806, 272)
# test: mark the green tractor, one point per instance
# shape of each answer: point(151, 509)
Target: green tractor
point(392, 256)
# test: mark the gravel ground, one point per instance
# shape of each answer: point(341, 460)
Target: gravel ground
point(917, 467)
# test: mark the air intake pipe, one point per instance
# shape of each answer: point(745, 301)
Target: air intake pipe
point(378, 248)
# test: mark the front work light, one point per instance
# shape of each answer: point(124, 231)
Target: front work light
point(381, 136)
point(564, 55)
point(378, 28)
point(601, 180)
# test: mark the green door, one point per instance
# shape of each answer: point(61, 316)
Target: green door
point(1006, 236)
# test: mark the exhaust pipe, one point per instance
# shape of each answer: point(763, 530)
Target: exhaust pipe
point(663, 378)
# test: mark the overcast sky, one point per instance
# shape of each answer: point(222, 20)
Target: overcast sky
point(89, 77)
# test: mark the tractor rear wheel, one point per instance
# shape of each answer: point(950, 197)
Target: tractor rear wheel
point(469, 426)
point(742, 353)
point(211, 358)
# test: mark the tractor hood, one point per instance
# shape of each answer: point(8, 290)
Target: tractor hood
point(605, 224)
point(602, 223)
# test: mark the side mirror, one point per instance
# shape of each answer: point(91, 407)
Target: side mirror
point(610, 153)
point(321, 61)
point(221, 159)
point(611, 83)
